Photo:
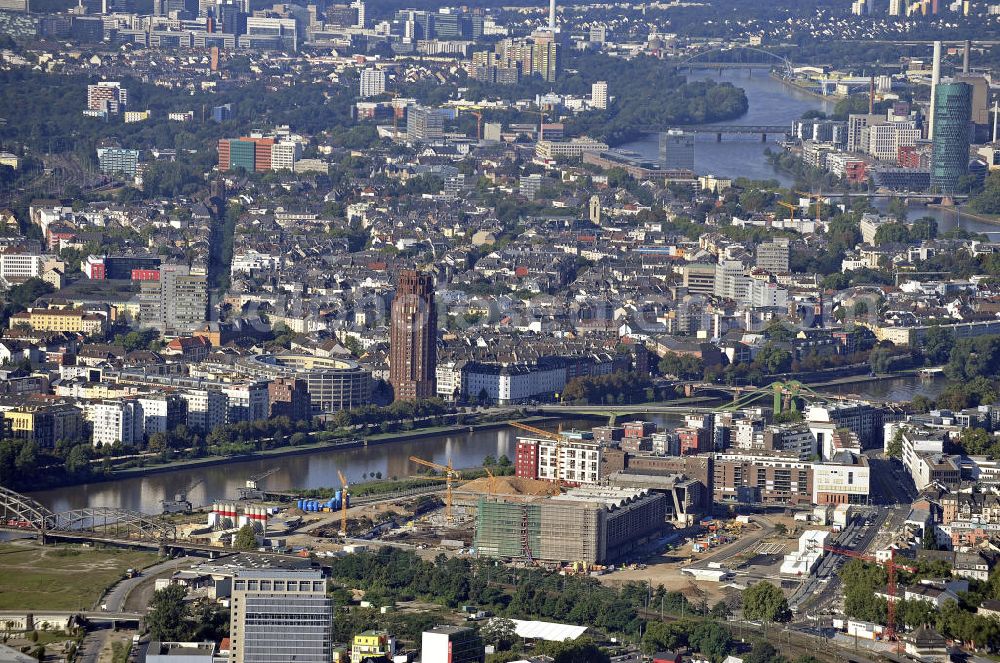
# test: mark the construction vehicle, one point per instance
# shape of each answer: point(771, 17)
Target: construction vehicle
point(343, 504)
point(251, 490)
point(890, 567)
point(555, 437)
point(449, 475)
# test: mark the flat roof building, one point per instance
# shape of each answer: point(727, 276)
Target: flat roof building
point(280, 615)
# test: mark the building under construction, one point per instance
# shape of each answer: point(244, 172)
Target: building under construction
point(593, 525)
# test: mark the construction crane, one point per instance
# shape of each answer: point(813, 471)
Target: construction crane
point(251, 490)
point(181, 503)
point(541, 123)
point(343, 504)
point(890, 566)
point(557, 438)
point(479, 124)
point(449, 475)
point(817, 198)
point(790, 207)
point(395, 113)
point(491, 485)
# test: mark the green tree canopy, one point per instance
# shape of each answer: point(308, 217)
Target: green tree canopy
point(765, 602)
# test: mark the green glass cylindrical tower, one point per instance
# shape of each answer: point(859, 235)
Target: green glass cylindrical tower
point(950, 156)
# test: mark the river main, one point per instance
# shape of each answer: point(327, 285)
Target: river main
point(771, 102)
point(391, 459)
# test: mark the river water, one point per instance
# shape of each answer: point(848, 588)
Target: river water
point(319, 469)
point(773, 103)
point(313, 470)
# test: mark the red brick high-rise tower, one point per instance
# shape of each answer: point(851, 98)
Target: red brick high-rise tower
point(413, 337)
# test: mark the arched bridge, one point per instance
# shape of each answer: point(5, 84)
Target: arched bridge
point(739, 57)
point(23, 514)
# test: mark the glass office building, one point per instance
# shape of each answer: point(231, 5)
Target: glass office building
point(280, 615)
point(950, 155)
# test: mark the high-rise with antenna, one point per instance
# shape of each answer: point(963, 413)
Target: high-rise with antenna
point(935, 79)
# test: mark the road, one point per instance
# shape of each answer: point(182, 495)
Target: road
point(892, 492)
point(116, 597)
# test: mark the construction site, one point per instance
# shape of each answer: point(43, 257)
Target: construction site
point(557, 511)
point(591, 525)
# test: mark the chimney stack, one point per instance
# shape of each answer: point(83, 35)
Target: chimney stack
point(965, 56)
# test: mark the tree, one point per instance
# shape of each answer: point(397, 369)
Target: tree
point(246, 538)
point(938, 344)
point(763, 652)
point(499, 632)
point(773, 359)
point(168, 614)
point(929, 540)
point(577, 651)
point(880, 360)
point(975, 441)
point(78, 459)
point(684, 367)
point(720, 611)
point(895, 447)
point(27, 458)
point(660, 636)
point(765, 602)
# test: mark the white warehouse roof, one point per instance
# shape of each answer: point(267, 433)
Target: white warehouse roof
point(552, 631)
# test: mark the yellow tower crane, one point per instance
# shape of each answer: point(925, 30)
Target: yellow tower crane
point(449, 475)
point(555, 437)
point(790, 207)
point(343, 504)
point(817, 198)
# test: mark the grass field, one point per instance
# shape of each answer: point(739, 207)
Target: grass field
point(61, 577)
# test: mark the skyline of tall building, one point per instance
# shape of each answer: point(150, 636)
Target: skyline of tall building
point(950, 148)
point(413, 337)
point(676, 150)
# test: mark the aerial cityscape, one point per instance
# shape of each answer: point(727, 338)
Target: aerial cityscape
point(402, 331)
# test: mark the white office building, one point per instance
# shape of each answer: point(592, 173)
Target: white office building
point(285, 154)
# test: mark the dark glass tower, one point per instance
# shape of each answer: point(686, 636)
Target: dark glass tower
point(950, 156)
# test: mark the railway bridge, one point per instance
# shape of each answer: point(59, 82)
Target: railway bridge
point(20, 513)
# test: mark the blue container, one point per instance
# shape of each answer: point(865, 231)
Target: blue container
point(315, 505)
point(299, 504)
point(338, 495)
point(347, 498)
